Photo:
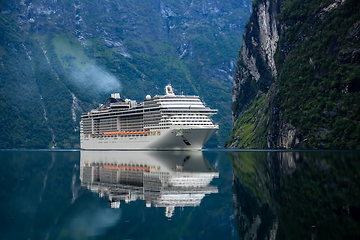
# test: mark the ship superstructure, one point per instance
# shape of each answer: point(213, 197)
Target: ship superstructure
point(161, 122)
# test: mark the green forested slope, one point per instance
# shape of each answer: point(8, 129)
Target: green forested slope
point(35, 104)
point(318, 80)
point(61, 58)
point(314, 101)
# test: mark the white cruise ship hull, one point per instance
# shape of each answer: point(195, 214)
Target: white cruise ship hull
point(161, 139)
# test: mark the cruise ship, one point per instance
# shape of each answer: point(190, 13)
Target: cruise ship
point(165, 122)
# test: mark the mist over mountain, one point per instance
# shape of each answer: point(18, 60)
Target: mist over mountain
point(59, 58)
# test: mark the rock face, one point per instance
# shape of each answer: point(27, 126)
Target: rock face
point(256, 68)
point(287, 136)
point(65, 57)
point(295, 84)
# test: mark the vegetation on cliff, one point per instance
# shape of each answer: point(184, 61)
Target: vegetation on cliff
point(315, 101)
point(319, 84)
point(58, 59)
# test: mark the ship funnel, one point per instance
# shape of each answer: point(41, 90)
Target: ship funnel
point(169, 90)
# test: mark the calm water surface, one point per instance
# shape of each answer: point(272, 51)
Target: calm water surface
point(180, 195)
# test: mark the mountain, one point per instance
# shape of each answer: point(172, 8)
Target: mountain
point(59, 58)
point(297, 80)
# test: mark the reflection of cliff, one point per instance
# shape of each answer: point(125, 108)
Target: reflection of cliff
point(320, 199)
point(297, 195)
point(253, 196)
point(161, 179)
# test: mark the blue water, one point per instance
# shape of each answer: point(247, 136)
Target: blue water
point(251, 195)
point(42, 198)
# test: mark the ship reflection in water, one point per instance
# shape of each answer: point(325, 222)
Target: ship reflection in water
point(160, 178)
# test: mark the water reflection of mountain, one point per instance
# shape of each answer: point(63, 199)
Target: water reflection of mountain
point(297, 195)
point(161, 179)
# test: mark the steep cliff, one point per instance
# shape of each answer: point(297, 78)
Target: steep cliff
point(256, 70)
point(59, 58)
point(296, 82)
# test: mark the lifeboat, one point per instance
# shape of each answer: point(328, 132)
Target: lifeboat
point(123, 133)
